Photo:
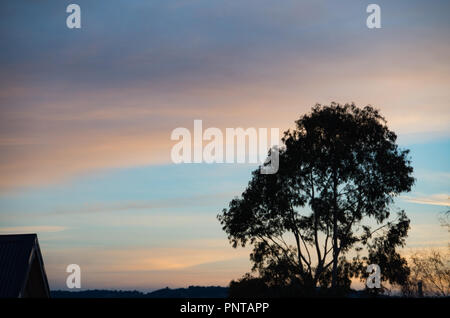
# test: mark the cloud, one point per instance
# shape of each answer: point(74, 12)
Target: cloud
point(32, 229)
point(196, 201)
point(73, 103)
point(207, 263)
point(441, 199)
point(426, 235)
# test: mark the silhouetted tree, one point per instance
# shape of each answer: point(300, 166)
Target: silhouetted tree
point(381, 246)
point(340, 167)
point(432, 270)
point(445, 220)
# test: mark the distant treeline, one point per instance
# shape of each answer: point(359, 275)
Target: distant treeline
point(190, 292)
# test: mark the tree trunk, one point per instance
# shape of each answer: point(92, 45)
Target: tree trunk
point(335, 254)
point(335, 235)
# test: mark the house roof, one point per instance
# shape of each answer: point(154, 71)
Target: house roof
point(17, 253)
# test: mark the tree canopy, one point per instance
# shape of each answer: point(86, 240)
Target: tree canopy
point(339, 171)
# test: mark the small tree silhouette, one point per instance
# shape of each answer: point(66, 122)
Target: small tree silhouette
point(338, 168)
point(432, 270)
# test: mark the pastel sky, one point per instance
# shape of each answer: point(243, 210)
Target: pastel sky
point(86, 117)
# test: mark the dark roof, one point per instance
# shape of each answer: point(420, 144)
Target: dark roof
point(17, 254)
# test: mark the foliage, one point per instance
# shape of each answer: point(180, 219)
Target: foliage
point(340, 167)
point(432, 269)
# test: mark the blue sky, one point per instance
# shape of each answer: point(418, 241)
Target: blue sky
point(86, 117)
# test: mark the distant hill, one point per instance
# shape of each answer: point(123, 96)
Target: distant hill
point(190, 292)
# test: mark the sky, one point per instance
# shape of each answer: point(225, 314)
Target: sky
point(86, 117)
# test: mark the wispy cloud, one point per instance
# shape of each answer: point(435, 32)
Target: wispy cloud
point(93, 106)
point(148, 205)
point(31, 229)
point(151, 267)
point(441, 199)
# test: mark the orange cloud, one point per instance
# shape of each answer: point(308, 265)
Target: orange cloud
point(31, 229)
point(66, 134)
point(441, 199)
point(152, 267)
